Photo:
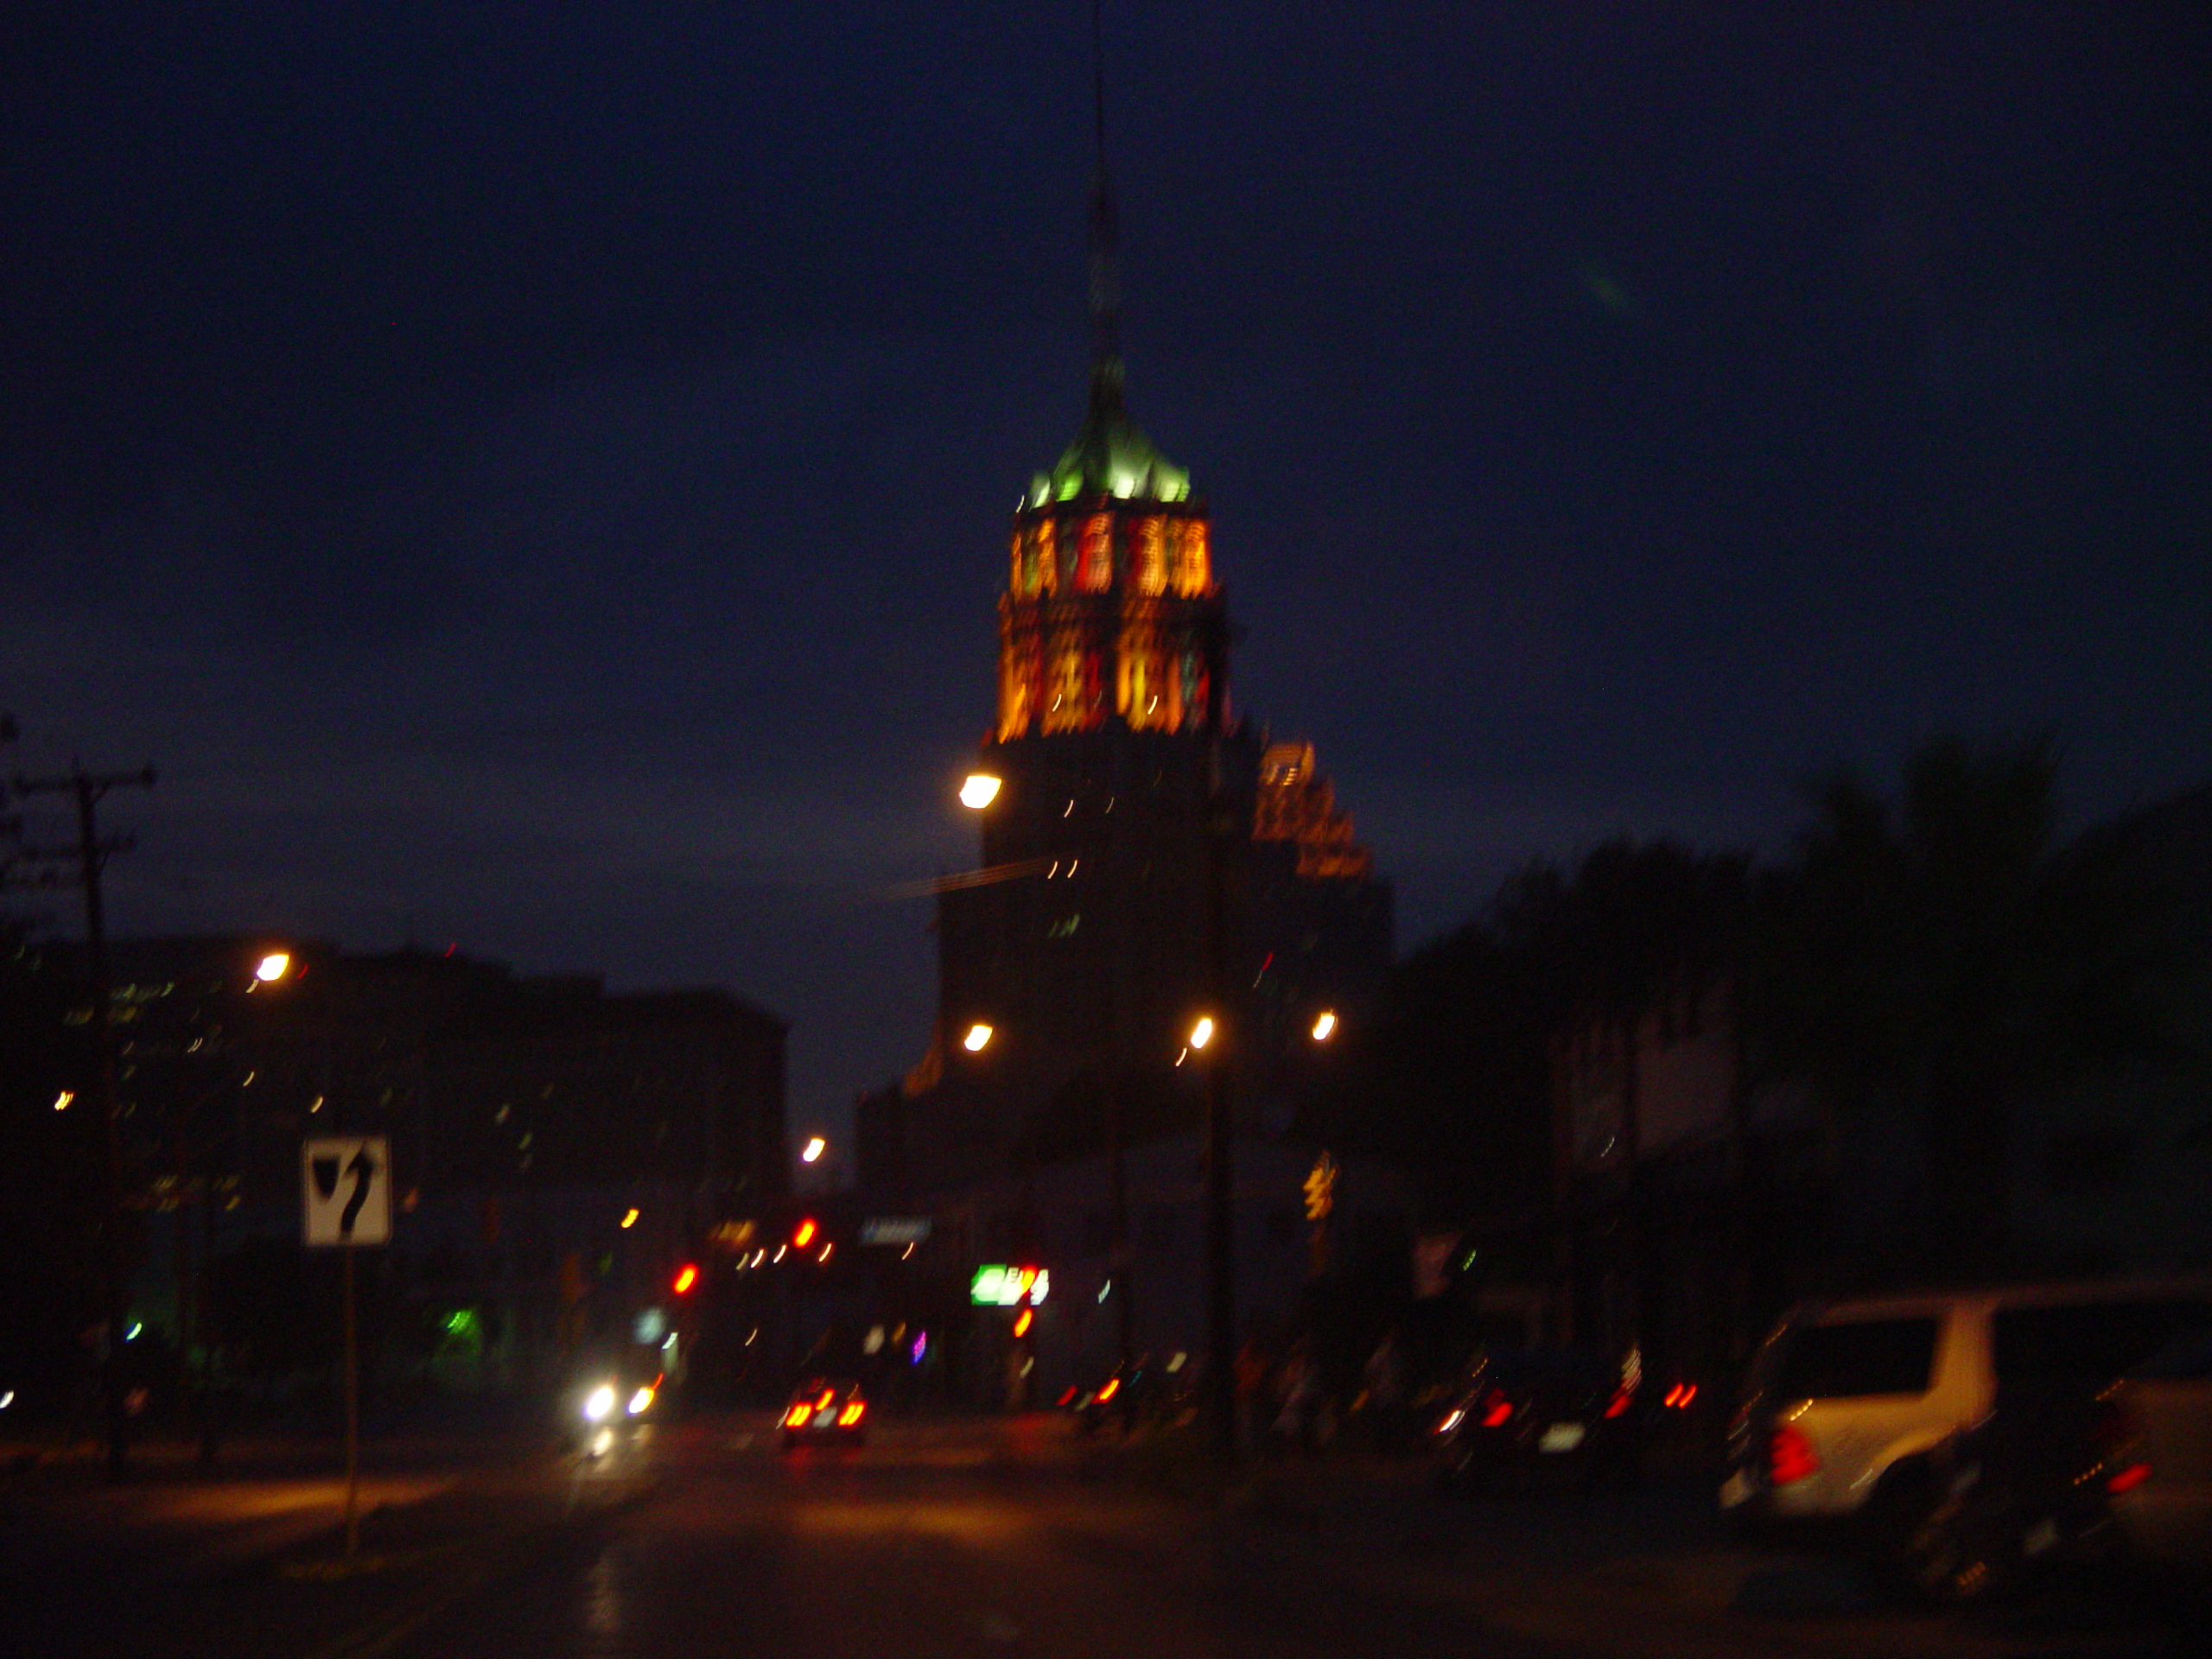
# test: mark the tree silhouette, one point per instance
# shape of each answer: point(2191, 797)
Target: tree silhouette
point(1945, 958)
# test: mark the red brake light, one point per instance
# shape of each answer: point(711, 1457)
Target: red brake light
point(1069, 1396)
point(851, 1413)
point(1113, 1387)
point(2128, 1480)
point(1499, 1409)
point(797, 1416)
point(1790, 1456)
point(1619, 1402)
point(804, 1236)
point(686, 1276)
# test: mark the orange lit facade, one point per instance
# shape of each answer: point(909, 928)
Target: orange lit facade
point(1296, 805)
point(1110, 614)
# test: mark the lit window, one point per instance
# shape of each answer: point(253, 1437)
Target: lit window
point(1152, 556)
point(1096, 572)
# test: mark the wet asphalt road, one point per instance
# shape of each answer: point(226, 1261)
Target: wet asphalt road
point(990, 1537)
point(1004, 1538)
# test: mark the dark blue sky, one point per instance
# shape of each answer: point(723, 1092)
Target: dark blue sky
point(536, 476)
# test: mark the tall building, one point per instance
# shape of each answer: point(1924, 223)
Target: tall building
point(1084, 940)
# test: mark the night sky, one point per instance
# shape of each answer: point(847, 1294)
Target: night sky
point(536, 477)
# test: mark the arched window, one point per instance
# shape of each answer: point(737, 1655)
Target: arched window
point(1149, 559)
point(1096, 574)
point(1193, 565)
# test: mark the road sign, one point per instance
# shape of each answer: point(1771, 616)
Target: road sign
point(345, 1187)
point(894, 1229)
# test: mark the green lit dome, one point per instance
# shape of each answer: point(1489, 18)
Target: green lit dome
point(1110, 456)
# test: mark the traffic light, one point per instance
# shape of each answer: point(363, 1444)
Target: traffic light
point(686, 1276)
point(804, 1234)
point(1321, 1188)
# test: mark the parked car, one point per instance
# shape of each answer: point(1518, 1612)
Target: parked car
point(1546, 1412)
point(1872, 1412)
point(2025, 1488)
point(2160, 1475)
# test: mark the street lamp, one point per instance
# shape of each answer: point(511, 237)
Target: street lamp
point(812, 1153)
point(979, 1035)
point(273, 967)
point(1325, 1026)
point(1202, 1032)
point(980, 790)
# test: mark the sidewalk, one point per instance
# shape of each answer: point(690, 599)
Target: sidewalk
point(164, 1562)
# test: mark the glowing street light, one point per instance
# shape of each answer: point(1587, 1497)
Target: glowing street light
point(978, 1035)
point(629, 1217)
point(1202, 1034)
point(273, 967)
point(979, 791)
point(62, 1100)
point(1325, 1026)
point(812, 1153)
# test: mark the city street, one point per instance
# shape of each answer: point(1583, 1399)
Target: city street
point(1007, 1537)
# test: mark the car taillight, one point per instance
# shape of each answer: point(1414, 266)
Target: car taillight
point(2126, 1478)
point(1497, 1409)
point(851, 1413)
point(797, 1416)
point(2116, 1439)
point(1790, 1456)
point(1619, 1402)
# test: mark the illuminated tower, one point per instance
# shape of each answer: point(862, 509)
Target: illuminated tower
point(1083, 940)
point(1111, 617)
point(1084, 936)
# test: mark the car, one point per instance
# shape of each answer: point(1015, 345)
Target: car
point(605, 1404)
point(2022, 1489)
point(822, 1409)
point(2159, 1480)
point(1855, 1413)
point(1543, 1412)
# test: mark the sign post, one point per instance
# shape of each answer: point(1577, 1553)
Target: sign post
point(345, 1195)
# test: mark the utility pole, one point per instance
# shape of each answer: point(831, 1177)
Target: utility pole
point(91, 855)
point(1220, 1188)
point(1124, 1278)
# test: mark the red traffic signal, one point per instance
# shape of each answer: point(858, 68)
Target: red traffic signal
point(804, 1234)
point(686, 1276)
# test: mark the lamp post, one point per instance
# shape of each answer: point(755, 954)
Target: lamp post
point(1220, 1397)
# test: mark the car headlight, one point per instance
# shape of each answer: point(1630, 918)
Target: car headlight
point(599, 1402)
point(640, 1400)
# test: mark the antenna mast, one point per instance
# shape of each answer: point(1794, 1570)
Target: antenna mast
point(1105, 286)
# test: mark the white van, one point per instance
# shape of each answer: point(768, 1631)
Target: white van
point(1848, 1400)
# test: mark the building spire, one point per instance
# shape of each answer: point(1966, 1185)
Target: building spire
point(1105, 275)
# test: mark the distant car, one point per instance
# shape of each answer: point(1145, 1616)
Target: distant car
point(2159, 1477)
point(825, 1410)
point(1857, 1412)
point(1541, 1411)
point(606, 1400)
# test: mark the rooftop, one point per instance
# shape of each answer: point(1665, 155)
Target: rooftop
point(1110, 456)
